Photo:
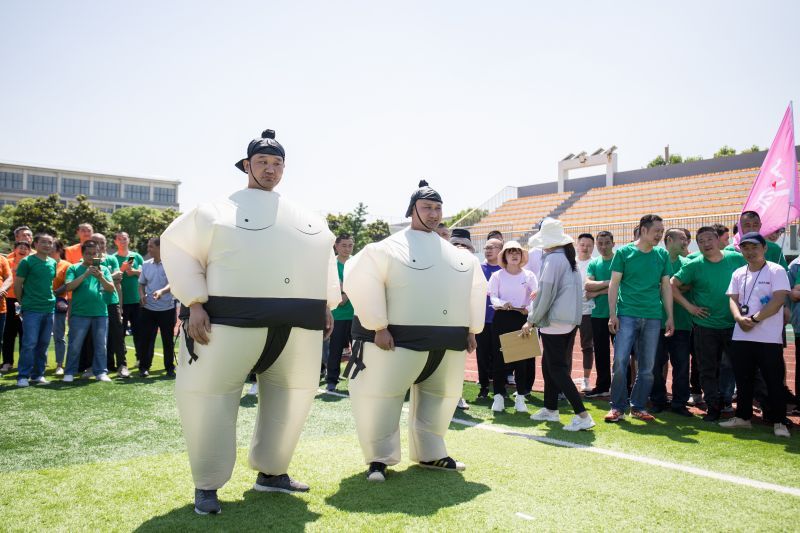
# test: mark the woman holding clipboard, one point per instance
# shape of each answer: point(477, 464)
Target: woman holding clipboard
point(557, 312)
point(510, 291)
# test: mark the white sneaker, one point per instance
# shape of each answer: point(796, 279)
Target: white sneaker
point(546, 415)
point(40, 381)
point(103, 377)
point(577, 423)
point(253, 390)
point(511, 380)
point(499, 404)
point(735, 422)
point(68, 378)
point(124, 372)
point(519, 404)
point(59, 371)
point(780, 430)
point(462, 404)
point(585, 387)
point(22, 382)
point(87, 374)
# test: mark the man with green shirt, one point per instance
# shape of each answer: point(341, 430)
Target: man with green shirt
point(130, 263)
point(342, 315)
point(33, 286)
point(674, 349)
point(88, 281)
point(709, 277)
point(751, 221)
point(638, 290)
point(598, 277)
point(115, 342)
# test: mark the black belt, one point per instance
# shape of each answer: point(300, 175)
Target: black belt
point(435, 358)
point(279, 315)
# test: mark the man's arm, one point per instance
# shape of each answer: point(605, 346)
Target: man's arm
point(774, 305)
point(678, 289)
point(75, 283)
point(613, 293)
point(19, 282)
point(600, 287)
point(666, 300)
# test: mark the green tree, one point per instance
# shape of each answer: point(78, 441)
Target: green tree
point(752, 149)
point(141, 223)
point(375, 231)
point(354, 224)
point(674, 159)
point(725, 151)
point(6, 227)
point(693, 158)
point(40, 214)
point(81, 212)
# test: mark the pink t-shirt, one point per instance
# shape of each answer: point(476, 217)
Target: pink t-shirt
point(516, 288)
point(771, 278)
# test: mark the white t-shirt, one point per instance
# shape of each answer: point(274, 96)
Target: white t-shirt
point(771, 278)
point(588, 305)
point(513, 288)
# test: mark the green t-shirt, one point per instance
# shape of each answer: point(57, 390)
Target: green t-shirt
point(600, 270)
point(709, 283)
point(680, 316)
point(130, 284)
point(37, 292)
point(640, 289)
point(693, 255)
point(343, 312)
point(88, 298)
point(110, 262)
point(773, 253)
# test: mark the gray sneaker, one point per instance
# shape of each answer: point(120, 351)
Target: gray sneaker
point(205, 502)
point(279, 483)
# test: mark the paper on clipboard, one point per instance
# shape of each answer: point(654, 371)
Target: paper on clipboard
point(516, 348)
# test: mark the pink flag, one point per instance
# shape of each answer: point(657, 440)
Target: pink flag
point(775, 193)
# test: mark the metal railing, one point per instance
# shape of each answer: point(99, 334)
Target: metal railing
point(473, 217)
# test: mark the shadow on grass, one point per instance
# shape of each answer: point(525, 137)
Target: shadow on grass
point(249, 400)
point(257, 511)
point(332, 398)
point(416, 491)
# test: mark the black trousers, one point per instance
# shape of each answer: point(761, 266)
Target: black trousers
point(557, 370)
point(747, 357)
point(13, 329)
point(485, 355)
point(130, 317)
point(587, 341)
point(115, 342)
point(525, 370)
point(602, 339)
point(709, 345)
point(150, 324)
point(694, 369)
point(340, 338)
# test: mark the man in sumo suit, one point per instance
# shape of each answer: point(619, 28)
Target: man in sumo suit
point(419, 302)
point(256, 278)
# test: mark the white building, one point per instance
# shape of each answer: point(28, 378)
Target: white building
point(107, 192)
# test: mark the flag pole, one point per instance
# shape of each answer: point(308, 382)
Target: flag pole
point(791, 198)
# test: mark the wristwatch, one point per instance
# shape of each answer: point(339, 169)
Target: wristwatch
point(753, 318)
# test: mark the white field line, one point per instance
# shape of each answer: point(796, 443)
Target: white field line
point(524, 516)
point(792, 491)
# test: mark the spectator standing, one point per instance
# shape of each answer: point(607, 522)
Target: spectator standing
point(33, 284)
point(157, 312)
point(750, 222)
point(342, 315)
point(13, 325)
point(557, 311)
point(130, 263)
point(486, 351)
point(62, 305)
point(757, 293)
point(794, 295)
point(585, 248)
point(74, 253)
point(88, 313)
point(115, 342)
point(638, 290)
point(6, 284)
point(598, 277)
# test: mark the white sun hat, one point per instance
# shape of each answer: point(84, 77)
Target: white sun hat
point(551, 234)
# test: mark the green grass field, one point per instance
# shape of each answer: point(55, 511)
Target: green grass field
point(91, 456)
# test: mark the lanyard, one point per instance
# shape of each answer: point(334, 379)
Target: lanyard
point(746, 307)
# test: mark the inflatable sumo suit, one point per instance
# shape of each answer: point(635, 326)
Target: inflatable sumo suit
point(429, 294)
point(264, 270)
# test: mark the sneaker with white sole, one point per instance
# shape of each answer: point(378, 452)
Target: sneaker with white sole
point(585, 387)
point(59, 371)
point(206, 502)
point(40, 381)
point(104, 378)
point(445, 463)
point(780, 430)
point(376, 472)
point(23, 382)
point(735, 422)
point(253, 391)
point(462, 404)
point(279, 483)
point(519, 404)
point(499, 404)
point(124, 372)
point(546, 415)
point(562, 397)
point(68, 378)
point(579, 424)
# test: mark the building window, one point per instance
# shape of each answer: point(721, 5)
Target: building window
point(39, 183)
point(74, 186)
point(137, 192)
point(11, 180)
point(106, 189)
point(164, 195)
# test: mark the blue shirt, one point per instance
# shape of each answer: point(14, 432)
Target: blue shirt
point(488, 270)
point(154, 278)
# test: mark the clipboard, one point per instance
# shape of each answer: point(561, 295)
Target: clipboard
point(515, 348)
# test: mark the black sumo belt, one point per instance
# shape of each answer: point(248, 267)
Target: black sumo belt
point(280, 315)
point(435, 340)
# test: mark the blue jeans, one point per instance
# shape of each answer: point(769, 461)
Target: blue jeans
point(642, 333)
point(79, 327)
point(37, 328)
point(675, 350)
point(59, 332)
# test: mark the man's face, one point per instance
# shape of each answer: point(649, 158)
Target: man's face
point(22, 251)
point(344, 248)
point(677, 243)
point(153, 250)
point(122, 240)
point(749, 224)
point(89, 253)
point(708, 242)
point(24, 236)
point(585, 247)
point(605, 245)
point(100, 239)
point(752, 252)
point(653, 234)
point(264, 171)
point(491, 250)
point(85, 232)
point(725, 239)
point(444, 232)
point(44, 244)
point(428, 211)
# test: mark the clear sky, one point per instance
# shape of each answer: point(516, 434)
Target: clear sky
point(369, 96)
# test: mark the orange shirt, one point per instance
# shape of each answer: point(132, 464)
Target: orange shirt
point(61, 274)
point(12, 260)
point(73, 253)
